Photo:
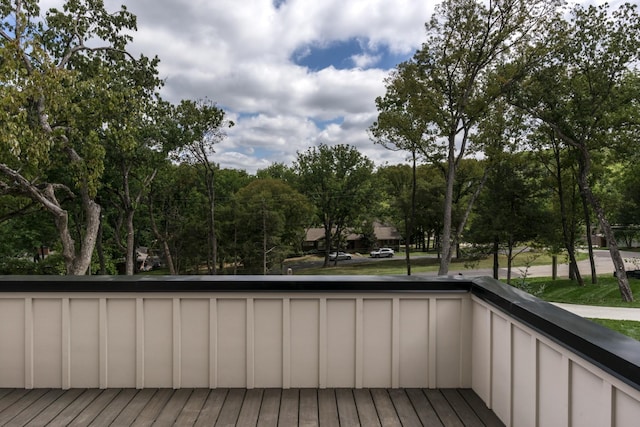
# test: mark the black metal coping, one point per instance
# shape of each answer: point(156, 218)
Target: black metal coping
point(613, 352)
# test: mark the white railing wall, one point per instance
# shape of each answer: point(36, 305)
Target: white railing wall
point(531, 363)
point(529, 380)
point(69, 340)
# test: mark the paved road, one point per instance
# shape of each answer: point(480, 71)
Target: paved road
point(595, 312)
point(604, 265)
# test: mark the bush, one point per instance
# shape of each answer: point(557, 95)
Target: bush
point(53, 264)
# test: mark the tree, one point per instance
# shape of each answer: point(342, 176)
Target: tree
point(136, 145)
point(586, 93)
point(57, 93)
point(403, 125)
point(201, 128)
point(511, 209)
point(273, 218)
point(461, 73)
point(338, 181)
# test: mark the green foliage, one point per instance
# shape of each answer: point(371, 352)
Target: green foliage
point(52, 264)
point(338, 182)
point(271, 218)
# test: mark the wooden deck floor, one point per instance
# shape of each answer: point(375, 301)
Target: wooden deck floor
point(240, 407)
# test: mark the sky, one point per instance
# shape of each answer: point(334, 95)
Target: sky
point(291, 74)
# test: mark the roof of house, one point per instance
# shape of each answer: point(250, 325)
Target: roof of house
point(381, 231)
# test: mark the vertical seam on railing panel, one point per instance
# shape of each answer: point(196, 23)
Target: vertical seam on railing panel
point(103, 343)
point(395, 343)
point(509, 370)
point(566, 386)
point(465, 342)
point(66, 344)
point(139, 343)
point(607, 409)
point(250, 343)
point(286, 343)
point(213, 343)
point(177, 343)
point(433, 371)
point(28, 344)
point(535, 383)
point(359, 362)
point(490, 357)
point(322, 344)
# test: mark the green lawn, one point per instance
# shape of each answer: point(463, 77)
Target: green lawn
point(419, 264)
point(605, 293)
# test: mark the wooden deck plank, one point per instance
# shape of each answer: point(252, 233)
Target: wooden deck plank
point(93, 409)
point(192, 408)
point(114, 408)
point(327, 408)
point(259, 407)
point(486, 415)
point(231, 408)
point(66, 416)
point(52, 410)
point(250, 409)
point(12, 397)
point(270, 408)
point(5, 391)
point(129, 414)
point(308, 408)
point(445, 412)
point(17, 406)
point(212, 407)
point(289, 402)
point(405, 410)
point(423, 408)
point(366, 408)
point(462, 408)
point(172, 408)
point(152, 409)
point(33, 410)
point(386, 410)
point(347, 411)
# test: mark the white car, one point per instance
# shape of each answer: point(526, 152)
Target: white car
point(382, 253)
point(339, 256)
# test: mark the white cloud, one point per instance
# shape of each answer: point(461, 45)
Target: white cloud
point(239, 54)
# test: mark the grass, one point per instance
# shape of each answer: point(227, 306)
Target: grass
point(419, 264)
point(605, 293)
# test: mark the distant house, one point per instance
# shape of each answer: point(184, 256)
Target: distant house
point(385, 235)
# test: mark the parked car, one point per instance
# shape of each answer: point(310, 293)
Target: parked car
point(382, 253)
point(339, 256)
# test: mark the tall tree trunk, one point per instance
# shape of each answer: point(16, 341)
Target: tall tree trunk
point(616, 257)
point(566, 234)
point(130, 259)
point(446, 242)
point(509, 259)
point(164, 240)
point(210, 178)
point(587, 220)
point(409, 221)
point(496, 258)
